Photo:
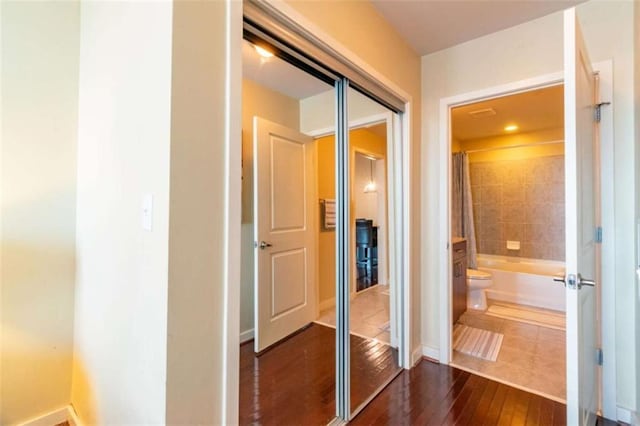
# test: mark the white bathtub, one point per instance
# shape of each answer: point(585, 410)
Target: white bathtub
point(524, 281)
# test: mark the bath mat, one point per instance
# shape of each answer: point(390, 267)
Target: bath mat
point(528, 314)
point(479, 343)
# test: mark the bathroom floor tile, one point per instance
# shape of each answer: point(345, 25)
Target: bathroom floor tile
point(531, 356)
point(368, 316)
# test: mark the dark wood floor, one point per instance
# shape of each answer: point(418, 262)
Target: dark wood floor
point(435, 394)
point(294, 382)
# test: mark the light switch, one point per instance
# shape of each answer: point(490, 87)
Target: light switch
point(147, 212)
point(513, 245)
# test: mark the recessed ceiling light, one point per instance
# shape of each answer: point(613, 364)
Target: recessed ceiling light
point(262, 51)
point(511, 128)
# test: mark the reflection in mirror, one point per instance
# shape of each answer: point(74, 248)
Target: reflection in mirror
point(287, 357)
point(373, 324)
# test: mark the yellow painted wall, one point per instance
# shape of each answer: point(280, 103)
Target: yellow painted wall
point(360, 140)
point(274, 106)
point(40, 42)
point(511, 140)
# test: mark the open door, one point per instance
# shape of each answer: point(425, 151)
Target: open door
point(285, 259)
point(582, 221)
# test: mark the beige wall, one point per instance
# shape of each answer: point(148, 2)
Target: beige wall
point(263, 102)
point(204, 231)
point(39, 123)
point(383, 49)
point(120, 363)
point(525, 51)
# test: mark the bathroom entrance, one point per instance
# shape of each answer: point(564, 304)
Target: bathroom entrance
point(588, 176)
point(508, 239)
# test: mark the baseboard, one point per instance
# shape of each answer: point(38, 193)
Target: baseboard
point(61, 415)
point(416, 356)
point(431, 353)
point(327, 304)
point(247, 335)
point(625, 415)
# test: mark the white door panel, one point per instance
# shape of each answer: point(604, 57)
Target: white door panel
point(582, 218)
point(285, 232)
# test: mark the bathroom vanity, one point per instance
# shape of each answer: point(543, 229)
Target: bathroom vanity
point(458, 277)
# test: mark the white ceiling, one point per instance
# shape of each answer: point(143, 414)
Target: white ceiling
point(432, 25)
point(279, 75)
point(532, 111)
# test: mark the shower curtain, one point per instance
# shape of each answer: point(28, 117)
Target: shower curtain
point(462, 207)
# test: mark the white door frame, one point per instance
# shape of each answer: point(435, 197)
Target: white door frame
point(605, 70)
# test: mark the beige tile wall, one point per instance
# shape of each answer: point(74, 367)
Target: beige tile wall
point(520, 200)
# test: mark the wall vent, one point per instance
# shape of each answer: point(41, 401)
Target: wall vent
point(481, 113)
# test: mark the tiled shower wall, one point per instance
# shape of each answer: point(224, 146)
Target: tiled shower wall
point(520, 200)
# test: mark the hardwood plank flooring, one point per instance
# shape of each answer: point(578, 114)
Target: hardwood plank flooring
point(294, 382)
point(434, 394)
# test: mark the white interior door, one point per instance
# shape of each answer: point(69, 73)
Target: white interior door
point(582, 210)
point(285, 260)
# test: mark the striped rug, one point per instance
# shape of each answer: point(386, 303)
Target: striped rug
point(479, 343)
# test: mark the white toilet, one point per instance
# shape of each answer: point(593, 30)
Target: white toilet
point(477, 283)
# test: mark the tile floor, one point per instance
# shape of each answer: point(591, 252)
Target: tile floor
point(369, 314)
point(531, 356)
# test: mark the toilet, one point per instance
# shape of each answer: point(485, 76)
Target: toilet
point(477, 283)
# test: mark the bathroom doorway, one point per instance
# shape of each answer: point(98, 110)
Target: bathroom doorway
point(507, 234)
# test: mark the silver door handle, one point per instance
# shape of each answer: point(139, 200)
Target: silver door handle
point(584, 281)
point(263, 245)
point(575, 281)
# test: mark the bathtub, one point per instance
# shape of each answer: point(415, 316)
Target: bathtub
point(524, 281)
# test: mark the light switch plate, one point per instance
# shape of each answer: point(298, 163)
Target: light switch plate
point(147, 212)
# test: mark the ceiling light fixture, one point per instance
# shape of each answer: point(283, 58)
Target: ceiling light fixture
point(371, 186)
point(511, 128)
point(262, 51)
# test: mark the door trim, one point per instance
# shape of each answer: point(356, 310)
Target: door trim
point(605, 70)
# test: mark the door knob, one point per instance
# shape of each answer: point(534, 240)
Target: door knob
point(574, 281)
point(263, 245)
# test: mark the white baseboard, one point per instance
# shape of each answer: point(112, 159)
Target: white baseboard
point(416, 356)
point(431, 353)
point(73, 417)
point(327, 304)
point(247, 335)
point(627, 416)
point(61, 415)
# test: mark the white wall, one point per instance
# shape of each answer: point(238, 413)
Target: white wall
point(525, 51)
point(319, 112)
point(120, 363)
point(39, 124)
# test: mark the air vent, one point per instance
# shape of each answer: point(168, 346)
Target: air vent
point(481, 113)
